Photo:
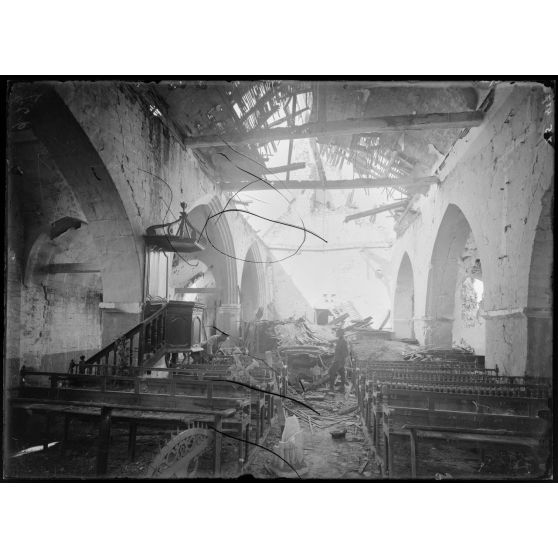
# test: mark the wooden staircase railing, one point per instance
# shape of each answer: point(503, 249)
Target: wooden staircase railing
point(143, 345)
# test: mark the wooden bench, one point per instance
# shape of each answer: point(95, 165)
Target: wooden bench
point(477, 435)
point(399, 421)
point(211, 393)
point(124, 390)
point(107, 413)
point(472, 392)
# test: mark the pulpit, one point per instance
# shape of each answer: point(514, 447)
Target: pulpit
point(184, 328)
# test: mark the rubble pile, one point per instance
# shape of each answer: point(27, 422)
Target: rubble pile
point(302, 333)
point(433, 355)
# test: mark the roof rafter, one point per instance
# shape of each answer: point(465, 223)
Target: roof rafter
point(350, 126)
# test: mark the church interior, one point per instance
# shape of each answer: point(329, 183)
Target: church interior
point(279, 279)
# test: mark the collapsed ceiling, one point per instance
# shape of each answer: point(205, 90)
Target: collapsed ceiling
point(236, 109)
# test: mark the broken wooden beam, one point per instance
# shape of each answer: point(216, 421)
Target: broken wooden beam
point(384, 322)
point(292, 122)
point(430, 84)
point(284, 168)
point(376, 210)
point(340, 319)
point(318, 161)
point(286, 118)
point(437, 120)
point(333, 184)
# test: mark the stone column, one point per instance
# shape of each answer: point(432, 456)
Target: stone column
point(228, 318)
point(506, 340)
point(438, 332)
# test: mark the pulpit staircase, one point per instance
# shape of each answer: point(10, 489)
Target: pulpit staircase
point(142, 346)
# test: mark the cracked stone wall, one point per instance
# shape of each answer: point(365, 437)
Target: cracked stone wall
point(500, 175)
point(60, 314)
point(468, 322)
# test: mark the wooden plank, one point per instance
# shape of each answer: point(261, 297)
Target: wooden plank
point(218, 445)
point(104, 441)
point(44, 404)
point(291, 120)
point(357, 183)
point(369, 84)
point(71, 268)
point(186, 290)
point(133, 428)
point(318, 161)
point(321, 100)
point(413, 453)
point(376, 210)
point(440, 120)
point(286, 118)
point(284, 168)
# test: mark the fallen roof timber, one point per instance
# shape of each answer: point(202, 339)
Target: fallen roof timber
point(376, 210)
point(350, 126)
point(284, 168)
point(333, 184)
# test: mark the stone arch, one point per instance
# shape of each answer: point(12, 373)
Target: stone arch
point(253, 284)
point(539, 298)
point(404, 301)
point(222, 254)
point(449, 265)
point(62, 294)
point(120, 252)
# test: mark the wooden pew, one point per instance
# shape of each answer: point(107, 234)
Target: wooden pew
point(457, 425)
point(532, 439)
point(444, 390)
point(213, 392)
point(140, 392)
point(108, 413)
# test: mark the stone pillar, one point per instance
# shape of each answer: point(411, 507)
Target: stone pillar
point(438, 332)
point(403, 328)
point(228, 318)
point(539, 342)
point(506, 341)
point(118, 318)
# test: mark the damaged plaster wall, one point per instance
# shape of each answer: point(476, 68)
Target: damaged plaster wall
point(288, 301)
point(60, 314)
point(468, 323)
point(498, 181)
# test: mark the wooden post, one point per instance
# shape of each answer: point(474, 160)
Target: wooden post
point(132, 440)
point(218, 444)
point(47, 431)
point(141, 344)
point(246, 440)
point(131, 358)
point(104, 440)
point(104, 372)
point(67, 420)
point(413, 453)
point(171, 384)
point(389, 454)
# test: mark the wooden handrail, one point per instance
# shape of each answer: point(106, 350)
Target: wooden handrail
point(142, 329)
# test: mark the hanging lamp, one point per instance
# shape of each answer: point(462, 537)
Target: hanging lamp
point(179, 236)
